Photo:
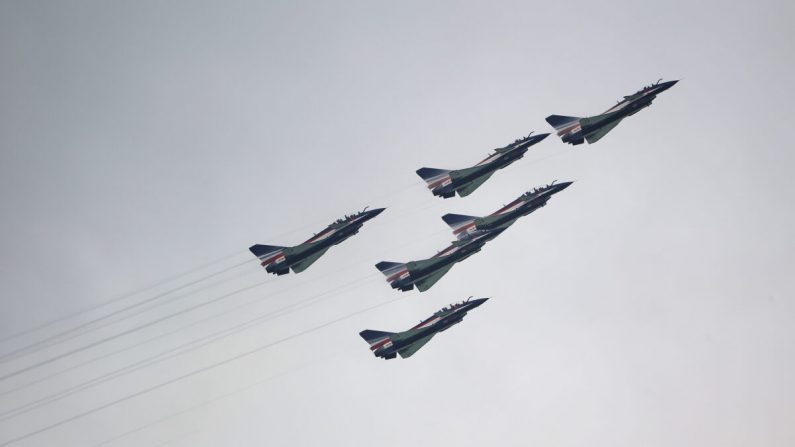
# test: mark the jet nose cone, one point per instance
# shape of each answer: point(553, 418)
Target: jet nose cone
point(372, 213)
point(666, 85)
point(477, 302)
point(564, 185)
point(537, 138)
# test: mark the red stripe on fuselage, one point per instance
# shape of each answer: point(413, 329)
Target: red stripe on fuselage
point(444, 252)
point(271, 259)
point(380, 344)
point(566, 130)
point(437, 182)
point(510, 205)
point(396, 275)
point(426, 321)
point(464, 228)
point(319, 235)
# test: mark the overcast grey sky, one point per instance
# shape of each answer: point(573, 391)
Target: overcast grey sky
point(651, 303)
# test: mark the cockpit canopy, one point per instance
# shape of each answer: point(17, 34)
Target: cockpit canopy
point(643, 90)
point(651, 86)
point(454, 306)
point(538, 190)
point(350, 217)
point(511, 145)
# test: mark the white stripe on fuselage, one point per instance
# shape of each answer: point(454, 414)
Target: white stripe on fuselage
point(508, 210)
point(430, 322)
point(447, 251)
point(322, 236)
point(435, 319)
point(489, 159)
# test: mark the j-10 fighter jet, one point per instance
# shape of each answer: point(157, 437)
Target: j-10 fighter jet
point(466, 226)
point(279, 260)
point(388, 344)
point(445, 183)
point(574, 130)
point(425, 273)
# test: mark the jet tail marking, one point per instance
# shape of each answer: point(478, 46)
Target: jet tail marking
point(377, 339)
point(459, 223)
point(388, 268)
point(267, 254)
point(262, 250)
point(560, 122)
point(371, 336)
point(432, 176)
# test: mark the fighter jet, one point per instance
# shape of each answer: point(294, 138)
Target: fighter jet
point(445, 183)
point(465, 226)
point(388, 344)
point(279, 260)
point(425, 273)
point(574, 130)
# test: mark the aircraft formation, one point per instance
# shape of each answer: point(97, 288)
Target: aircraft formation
point(471, 232)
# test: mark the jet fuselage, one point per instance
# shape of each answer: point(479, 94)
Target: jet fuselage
point(445, 184)
point(508, 214)
point(499, 159)
point(581, 129)
point(406, 276)
point(283, 259)
point(332, 235)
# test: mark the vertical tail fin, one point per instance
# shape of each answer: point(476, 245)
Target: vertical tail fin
point(560, 122)
point(377, 340)
point(267, 254)
point(433, 177)
point(374, 337)
point(392, 270)
point(569, 128)
point(459, 223)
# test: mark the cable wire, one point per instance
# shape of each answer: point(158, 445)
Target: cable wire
point(192, 373)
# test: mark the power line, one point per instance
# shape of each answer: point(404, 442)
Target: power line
point(113, 300)
point(167, 280)
point(191, 324)
point(220, 397)
point(38, 345)
point(29, 406)
point(131, 330)
point(176, 351)
point(151, 323)
point(138, 312)
point(191, 374)
point(53, 339)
